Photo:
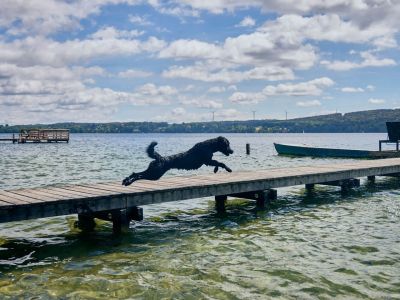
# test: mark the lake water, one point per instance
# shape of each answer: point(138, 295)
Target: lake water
point(320, 245)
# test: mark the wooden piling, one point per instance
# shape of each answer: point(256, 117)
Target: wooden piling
point(248, 149)
point(220, 202)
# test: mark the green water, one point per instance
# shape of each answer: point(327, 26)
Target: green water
point(322, 244)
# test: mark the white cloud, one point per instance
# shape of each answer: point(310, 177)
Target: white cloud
point(216, 89)
point(370, 87)
point(376, 101)
point(133, 73)
point(309, 88)
point(150, 89)
point(309, 103)
point(41, 51)
point(287, 6)
point(247, 22)
point(54, 94)
point(180, 114)
point(203, 73)
point(140, 20)
point(350, 89)
point(247, 98)
point(202, 103)
point(369, 60)
point(184, 49)
point(280, 46)
point(48, 16)
point(110, 32)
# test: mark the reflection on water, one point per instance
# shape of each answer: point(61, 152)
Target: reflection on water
point(319, 244)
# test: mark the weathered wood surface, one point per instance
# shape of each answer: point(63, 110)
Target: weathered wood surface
point(25, 204)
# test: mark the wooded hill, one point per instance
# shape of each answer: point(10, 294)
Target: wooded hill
point(361, 121)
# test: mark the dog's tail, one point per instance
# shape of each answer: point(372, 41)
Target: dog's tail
point(151, 152)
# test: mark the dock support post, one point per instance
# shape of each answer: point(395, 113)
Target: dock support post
point(120, 218)
point(347, 184)
point(86, 222)
point(263, 197)
point(220, 202)
point(371, 179)
point(271, 195)
point(309, 186)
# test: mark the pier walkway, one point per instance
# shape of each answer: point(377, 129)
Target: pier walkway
point(114, 202)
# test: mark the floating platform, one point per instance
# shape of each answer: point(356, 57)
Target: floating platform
point(119, 204)
point(39, 136)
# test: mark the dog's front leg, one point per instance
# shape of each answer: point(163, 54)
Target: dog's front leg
point(131, 178)
point(217, 164)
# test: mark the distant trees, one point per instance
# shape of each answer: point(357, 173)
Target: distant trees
point(363, 121)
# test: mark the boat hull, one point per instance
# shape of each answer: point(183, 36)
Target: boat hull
point(297, 150)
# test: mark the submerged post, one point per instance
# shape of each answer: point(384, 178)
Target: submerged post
point(247, 148)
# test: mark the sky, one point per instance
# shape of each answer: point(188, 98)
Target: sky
point(195, 60)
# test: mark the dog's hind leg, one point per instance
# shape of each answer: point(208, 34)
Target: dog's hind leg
point(218, 164)
point(153, 172)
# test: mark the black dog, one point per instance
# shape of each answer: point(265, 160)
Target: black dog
point(200, 154)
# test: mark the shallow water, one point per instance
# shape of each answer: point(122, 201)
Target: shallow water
point(323, 244)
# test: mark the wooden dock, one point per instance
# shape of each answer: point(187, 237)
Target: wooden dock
point(114, 202)
point(39, 136)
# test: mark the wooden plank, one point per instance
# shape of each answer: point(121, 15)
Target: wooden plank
point(32, 194)
point(89, 191)
point(5, 202)
point(67, 193)
point(140, 185)
point(9, 200)
point(48, 193)
point(113, 188)
point(19, 198)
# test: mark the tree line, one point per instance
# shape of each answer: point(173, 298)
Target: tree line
point(362, 121)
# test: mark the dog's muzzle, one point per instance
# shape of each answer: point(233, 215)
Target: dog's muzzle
point(229, 151)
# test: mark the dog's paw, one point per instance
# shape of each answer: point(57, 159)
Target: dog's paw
point(228, 169)
point(216, 169)
point(127, 181)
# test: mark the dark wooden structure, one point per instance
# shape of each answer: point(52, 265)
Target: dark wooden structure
point(39, 136)
point(119, 204)
point(393, 130)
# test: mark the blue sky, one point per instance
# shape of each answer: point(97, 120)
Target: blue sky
point(183, 60)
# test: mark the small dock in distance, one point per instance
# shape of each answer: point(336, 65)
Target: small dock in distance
point(39, 136)
point(113, 202)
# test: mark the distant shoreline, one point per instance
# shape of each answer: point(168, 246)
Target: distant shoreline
point(371, 121)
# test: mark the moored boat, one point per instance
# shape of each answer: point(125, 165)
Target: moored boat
point(300, 150)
